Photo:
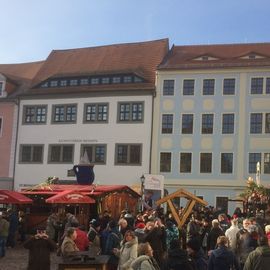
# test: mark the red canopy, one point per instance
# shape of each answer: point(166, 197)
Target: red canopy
point(13, 197)
point(70, 196)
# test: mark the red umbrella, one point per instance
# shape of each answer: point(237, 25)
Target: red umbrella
point(13, 197)
point(69, 197)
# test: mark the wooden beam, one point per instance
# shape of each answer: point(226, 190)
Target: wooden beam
point(174, 213)
point(187, 212)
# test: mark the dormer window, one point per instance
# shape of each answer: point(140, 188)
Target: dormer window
point(45, 85)
point(63, 83)
point(54, 83)
point(84, 81)
point(116, 79)
point(105, 80)
point(205, 58)
point(1, 89)
point(95, 81)
point(127, 79)
point(73, 82)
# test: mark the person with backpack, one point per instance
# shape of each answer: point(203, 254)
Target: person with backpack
point(113, 241)
point(222, 258)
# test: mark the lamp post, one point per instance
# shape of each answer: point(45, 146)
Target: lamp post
point(142, 178)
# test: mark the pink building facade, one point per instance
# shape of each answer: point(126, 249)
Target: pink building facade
point(8, 124)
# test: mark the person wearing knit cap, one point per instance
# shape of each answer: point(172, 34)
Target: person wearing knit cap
point(139, 231)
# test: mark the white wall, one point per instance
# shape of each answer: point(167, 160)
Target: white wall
point(108, 133)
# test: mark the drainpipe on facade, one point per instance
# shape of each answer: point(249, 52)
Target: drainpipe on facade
point(152, 124)
point(17, 102)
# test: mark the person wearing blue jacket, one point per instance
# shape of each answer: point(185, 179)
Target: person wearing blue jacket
point(222, 258)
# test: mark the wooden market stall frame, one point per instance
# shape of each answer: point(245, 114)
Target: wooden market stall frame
point(191, 201)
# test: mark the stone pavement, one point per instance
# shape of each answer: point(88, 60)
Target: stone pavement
point(17, 258)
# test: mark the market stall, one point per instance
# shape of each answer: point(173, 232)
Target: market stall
point(84, 201)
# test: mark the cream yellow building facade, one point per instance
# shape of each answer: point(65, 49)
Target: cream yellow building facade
point(210, 122)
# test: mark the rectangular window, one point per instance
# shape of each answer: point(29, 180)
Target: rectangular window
point(165, 162)
point(228, 123)
point(167, 123)
point(267, 89)
point(130, 112)
point(266, 167)
point(1, 88)
point(31, 153)
point(105, 80)
point(208, 87)
point(84, 81)
point(54, 83)
point(207, 123)
point(61, 153)
point(188, 87)
point(222, 203)
point(205, 162)
point(226, 162)
point(73, 82)
point(96, 152)
point(95, 81)
point(256, 123)
point(128, 154)
point(267, 123)
point(127, 79)
point(1, 126)
point(256, 86)
point(36, 114)
point(187, 123)
point(66, 113)
point(254, 158)
point(96, 112)
point(63, 83)
point(168, 87)
point(229, 87)
point(185, 162)
point(116, 80)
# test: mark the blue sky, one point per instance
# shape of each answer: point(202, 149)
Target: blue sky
point(30, 29)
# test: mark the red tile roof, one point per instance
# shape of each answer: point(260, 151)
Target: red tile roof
point(227, 55)
point(21, 71)
point(141, 58)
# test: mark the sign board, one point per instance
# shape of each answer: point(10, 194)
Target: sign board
point(153, 190)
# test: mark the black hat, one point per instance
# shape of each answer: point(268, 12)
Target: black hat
point(112, 224)
point(194, 244)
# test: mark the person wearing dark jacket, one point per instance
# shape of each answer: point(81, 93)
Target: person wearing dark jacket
point(222, 258)
point(113, 241)
point(196, 253)
point(39, 247)
point(155, 234)
point(259, 259)
point(214, 233)
point(178, 258)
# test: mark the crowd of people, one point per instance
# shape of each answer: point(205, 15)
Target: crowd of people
point(210, 240)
